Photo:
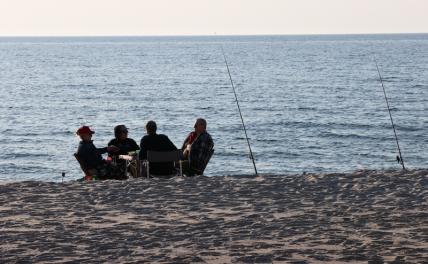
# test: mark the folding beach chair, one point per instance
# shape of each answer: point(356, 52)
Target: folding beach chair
point(132, 164)
point(108, 172)
point(163, 156)
point(191, 171)
point(82, 165)
point(206, 162)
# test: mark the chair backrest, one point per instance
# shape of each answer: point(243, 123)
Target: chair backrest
point(163, 156)
point(82, 166)
point(206, 161)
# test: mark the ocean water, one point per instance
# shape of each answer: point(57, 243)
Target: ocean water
point(310, 103)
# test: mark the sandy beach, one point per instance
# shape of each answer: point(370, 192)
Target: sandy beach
point(360, 217)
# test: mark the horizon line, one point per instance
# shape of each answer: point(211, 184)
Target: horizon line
point(213, 35)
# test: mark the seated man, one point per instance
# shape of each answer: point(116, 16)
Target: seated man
point(197, 149)
point(156, 142)
point(91, 157)
point(125, 146)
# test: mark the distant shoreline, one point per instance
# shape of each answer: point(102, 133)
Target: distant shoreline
point(214, 35)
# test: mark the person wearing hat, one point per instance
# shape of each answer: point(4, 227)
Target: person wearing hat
point(156, 142)
point(91, 156)
point(197, 149)
point(122, 141)
point(125, 146)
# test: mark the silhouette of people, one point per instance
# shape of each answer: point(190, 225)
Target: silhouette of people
point(156, 142)
point(125, 145)
point(122, 141)
point(197, 149)
point(91, 157)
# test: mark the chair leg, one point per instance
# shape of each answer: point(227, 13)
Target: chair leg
point(138, 168)
point(148, 170)
point(126, 169)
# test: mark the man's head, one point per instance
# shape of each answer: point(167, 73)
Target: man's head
point(85, 133)
point(200, 126)
point(151, 127)
point(121, 132)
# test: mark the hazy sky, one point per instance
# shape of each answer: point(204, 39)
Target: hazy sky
point(204, 17)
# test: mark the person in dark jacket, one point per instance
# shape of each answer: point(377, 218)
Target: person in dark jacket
point(125, 145)
point(197, 149)
point(91, 156)
point(122, 141)
point(156, 142)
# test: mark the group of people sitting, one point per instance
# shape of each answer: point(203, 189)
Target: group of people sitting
point(195, 152)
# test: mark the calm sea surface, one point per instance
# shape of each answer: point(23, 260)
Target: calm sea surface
point(310, 103)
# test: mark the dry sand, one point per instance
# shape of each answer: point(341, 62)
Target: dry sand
point(363, 217)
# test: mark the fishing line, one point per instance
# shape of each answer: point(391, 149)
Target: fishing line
point(240, 114)
point(400, 157)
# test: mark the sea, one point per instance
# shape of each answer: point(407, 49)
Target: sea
point(310, 103)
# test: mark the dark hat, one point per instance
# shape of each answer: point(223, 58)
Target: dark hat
point(84, 130)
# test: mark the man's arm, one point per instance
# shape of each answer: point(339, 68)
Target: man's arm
point(143, 149)
point(134, 145)
point(169, 145)
point(102, 150)
point(185, 143)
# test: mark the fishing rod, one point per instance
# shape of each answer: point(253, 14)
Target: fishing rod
point(399, 158)
point(240, 114)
